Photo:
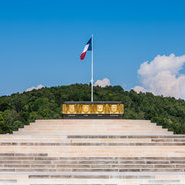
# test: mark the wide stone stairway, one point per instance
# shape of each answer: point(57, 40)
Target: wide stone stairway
point(92, 152)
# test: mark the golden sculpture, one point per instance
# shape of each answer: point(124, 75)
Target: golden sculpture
point(86, 109)
point(93, 108)
point(114, 109)
point(100, 109)
point(72, 109)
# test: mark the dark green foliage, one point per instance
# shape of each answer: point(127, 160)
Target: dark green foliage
point(20, 109)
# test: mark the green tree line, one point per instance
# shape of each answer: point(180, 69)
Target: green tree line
point(20, 109)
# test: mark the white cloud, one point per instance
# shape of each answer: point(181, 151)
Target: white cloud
point(162, 76)
point(36, 88)
point(139, 89)
point(103, 83)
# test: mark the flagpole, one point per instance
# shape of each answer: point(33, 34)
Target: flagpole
point(92, 72)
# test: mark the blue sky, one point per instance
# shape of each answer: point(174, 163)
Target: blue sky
point(41, 40)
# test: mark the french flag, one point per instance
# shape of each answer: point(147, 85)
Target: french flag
point(88, 47)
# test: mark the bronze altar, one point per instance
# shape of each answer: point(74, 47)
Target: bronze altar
point(93, 110)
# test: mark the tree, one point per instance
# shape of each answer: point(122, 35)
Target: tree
point(22, 108)
point(1, 120)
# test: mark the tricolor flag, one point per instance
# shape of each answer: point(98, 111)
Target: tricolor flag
point(88, 47)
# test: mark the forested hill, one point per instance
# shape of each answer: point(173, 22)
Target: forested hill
point(22, 108)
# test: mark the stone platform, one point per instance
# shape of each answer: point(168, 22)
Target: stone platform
point(92, 152)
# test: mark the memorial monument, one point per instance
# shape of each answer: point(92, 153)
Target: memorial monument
point(92, 151)
point(92, 109)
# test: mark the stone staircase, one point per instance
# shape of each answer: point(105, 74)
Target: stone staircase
point(92, 152)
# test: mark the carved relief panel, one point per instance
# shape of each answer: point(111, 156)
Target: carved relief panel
point(92, 108)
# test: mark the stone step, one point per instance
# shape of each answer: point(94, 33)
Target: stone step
point(92, 125)
point(88, 125)
point(92, 132)
point(107, 184)
point(17, 134)
point(82, 132)
point(7, 136)
point(94, 129)
point(73, 162)
point(23, 154)
point(90, 121)
point(92, 151)
point(73, 184)
point(104, 127)
point(104, 176)
point(44, 156)
point(119, 166)
point(127, 130)
point(93, 121)
point(94, 136)
point(48, 170)
point(108, 178)
point(93, 144)
point(48, 135)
